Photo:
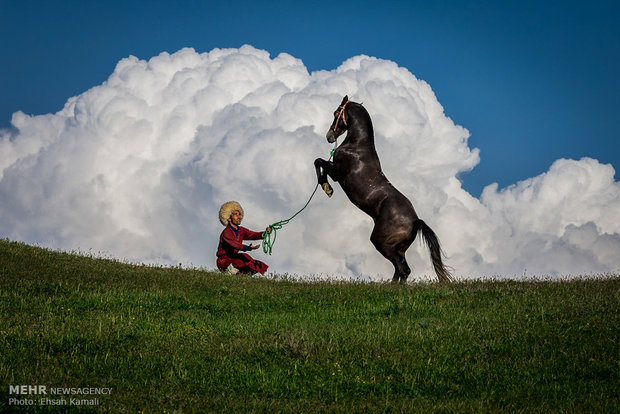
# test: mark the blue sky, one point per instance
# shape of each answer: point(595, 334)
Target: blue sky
point(532, 81)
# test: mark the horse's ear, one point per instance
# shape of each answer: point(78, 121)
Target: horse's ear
point(345, 99)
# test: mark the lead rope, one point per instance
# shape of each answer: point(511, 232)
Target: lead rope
point(269, 239)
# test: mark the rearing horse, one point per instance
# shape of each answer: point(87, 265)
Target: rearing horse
point(357, 168)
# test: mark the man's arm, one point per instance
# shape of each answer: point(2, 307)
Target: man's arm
point(250, 235)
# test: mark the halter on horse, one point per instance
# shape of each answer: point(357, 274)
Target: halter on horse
point(357, 168)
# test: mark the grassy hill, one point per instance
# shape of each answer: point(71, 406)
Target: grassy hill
point(186, 340)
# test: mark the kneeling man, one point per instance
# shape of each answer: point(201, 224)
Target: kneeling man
point(229, 252)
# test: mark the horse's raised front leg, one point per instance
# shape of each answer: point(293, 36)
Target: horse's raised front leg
point(324, 168)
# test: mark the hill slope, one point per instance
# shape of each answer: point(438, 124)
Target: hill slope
point(193, 341)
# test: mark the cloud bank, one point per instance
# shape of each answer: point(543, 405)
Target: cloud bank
point(137, 168)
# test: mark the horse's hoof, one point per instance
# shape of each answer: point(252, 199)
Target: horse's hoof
point(328, 189)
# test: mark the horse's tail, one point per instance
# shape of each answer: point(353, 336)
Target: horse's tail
point(431, 240)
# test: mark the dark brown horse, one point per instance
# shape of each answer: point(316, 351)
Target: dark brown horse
point(357, 168)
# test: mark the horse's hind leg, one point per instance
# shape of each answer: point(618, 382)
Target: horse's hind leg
point(393, 249)
point(401, 268)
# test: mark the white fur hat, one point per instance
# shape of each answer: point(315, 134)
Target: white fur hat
point(227, 209)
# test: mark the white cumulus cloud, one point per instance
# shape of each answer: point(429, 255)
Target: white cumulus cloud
point(137, 168)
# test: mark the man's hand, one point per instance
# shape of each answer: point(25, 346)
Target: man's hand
point(268, 230)
point(254, 247)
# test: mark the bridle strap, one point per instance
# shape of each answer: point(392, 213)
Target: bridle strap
point(341, 115)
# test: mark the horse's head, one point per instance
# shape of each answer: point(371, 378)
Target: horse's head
point(340, 122)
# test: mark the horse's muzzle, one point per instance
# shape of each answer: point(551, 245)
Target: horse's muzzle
point(331, 136)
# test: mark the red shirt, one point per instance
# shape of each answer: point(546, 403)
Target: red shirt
point(231, 241)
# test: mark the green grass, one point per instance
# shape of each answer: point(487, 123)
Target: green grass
point(187, 340)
